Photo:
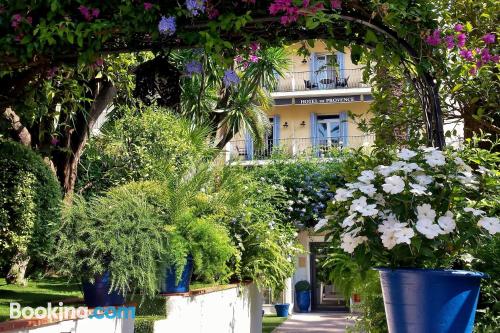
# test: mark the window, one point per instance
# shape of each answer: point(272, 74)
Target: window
point(328, 131)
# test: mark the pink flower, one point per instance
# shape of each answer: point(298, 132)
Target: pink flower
point(29, 19)
point(459, 27)
point(479, 64)
point(495, 59)
point(212, 13)
point(54, 141)
point(238, 59)
point(473, 71)
point(434, 39)
point(489, 38)
point(450, 41)
point(16, 20)
point(99, 62)
point(336, 4)
point(95, 12)
point(85, 12)
point(461, 38)
point(148, 5)
point(254, 46)
point(254, 58)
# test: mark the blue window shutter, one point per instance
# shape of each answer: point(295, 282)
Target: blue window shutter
point(276, 130)
point(314, 129)
point(343, 129)
point(249, 146)
point(340, 61)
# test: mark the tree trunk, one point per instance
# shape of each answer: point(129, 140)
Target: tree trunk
point(66, 160)
point(19, 131)
point(18, 268)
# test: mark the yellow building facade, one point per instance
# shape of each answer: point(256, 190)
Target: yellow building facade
point(311, 106)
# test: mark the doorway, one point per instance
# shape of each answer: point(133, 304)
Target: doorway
point(324, 296)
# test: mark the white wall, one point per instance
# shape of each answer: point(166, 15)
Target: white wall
point(234, 310)
point(86, 325)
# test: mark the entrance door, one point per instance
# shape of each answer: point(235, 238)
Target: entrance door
point(324, 295)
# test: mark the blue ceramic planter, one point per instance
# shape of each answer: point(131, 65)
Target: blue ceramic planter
point(425, 301)
point(303, 300)
point(97, 293)
point(171, 284)
point(282, 310)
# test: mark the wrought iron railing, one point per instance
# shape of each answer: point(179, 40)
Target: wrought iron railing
point(293, 147)
point(321, 80)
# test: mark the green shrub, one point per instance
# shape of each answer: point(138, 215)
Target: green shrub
point(30, 201)
point(150, 144)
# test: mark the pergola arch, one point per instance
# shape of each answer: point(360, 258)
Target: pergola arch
point(267, 28)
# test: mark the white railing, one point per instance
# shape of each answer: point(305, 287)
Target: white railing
point(293, 147)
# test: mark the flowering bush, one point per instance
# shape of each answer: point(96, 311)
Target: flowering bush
point(420, 208)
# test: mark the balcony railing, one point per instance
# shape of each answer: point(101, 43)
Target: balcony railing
point(293, 147)
point(321, 80)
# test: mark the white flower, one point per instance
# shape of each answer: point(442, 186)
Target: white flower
point(467, 178)
point(406, 154)
point(354, 186)
point(349, 221)
point(435, 158)
point(428, 149)
point(447, 223)
point(428, 229)
point(424, 180)
point(418, 189)
point(366, 176)
point(394, 185)
point(384, 170)
point(368, 189)
point(350, 242)
point(388, 240)
point(398, 165)
point(404, 235)
point(342, 194)
point(425, 212)
point(492, 224)
point(321, 223)
point(475, 212)
point(483, 170)
point(360, 205)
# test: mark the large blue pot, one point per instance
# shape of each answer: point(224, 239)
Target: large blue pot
point(171, 284)
point(97, 293)
point(303, 300)
point(430, 301)
point(282, 310)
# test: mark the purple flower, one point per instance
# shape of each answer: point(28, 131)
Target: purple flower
point(495, 59)
point(148, 5)
point(461, 38)
point(254, 46)
point(230, 78)
point(485, 55)
point(16, 20)
point(489, 38)
point(450, 41)
point(466, 54)
point(54, 141)
point(459, 27)
point(95, 12)
point(434, 39)
point(238, 59)
point(195, 7)
point(167, 25)
point(473, 71)
point(194, 67)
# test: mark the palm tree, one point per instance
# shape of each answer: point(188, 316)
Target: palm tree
point(238, 108)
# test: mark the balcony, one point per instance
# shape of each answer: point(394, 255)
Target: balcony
point(321, 80)
point(239, 150)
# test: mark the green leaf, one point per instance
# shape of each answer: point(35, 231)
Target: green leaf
point(370, 37)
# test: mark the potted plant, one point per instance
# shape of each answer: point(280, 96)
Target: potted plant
point(303, 295)
point(113, 244)
point(412, 215)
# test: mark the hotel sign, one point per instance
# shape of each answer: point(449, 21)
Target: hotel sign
point(327, 100)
